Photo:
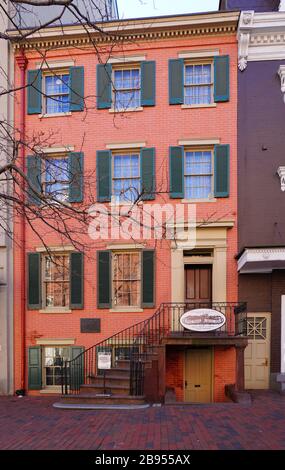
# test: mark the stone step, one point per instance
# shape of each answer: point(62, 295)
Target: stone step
point(119, 372)
point(110, 388)
point(111, 380)
point(99, 399)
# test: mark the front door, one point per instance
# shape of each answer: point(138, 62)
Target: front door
point(257, 353)
point(198, 376)
point(198, 284)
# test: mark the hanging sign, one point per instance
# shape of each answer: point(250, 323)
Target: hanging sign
point(202, 320)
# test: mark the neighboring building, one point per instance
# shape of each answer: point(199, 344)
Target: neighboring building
point(181, 137)
point(6, 253)
point(261, 197)
point(29, 16)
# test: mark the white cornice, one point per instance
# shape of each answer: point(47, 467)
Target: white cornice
point(261, 36)
point(255, 260)
point(130, 30)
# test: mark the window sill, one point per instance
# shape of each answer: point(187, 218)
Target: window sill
point(122, 111)
point(193, 106)
point(126, 204)
point(126, 310)
point(193, 201)
point(54, 115)
point(55, 310)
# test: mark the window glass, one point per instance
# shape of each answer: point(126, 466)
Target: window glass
point(57, 178)
point(198, 174)
point(198, 84)
point(126, 279)
point(127, 88)
point(57, 93)
point(56, 281)
point(126, 177)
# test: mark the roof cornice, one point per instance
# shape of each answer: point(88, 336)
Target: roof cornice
point(261, 36)
point(129, 30)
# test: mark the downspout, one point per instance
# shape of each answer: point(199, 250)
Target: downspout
point(22, 64)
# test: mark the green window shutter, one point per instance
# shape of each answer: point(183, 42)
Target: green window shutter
point(104, 279)
point(221, 78)
point(34, 174)
point(35, 368)
point(104, 86)
point(34, 281)
point(76, 369)
point(148, 83)
point(104, 175)
point(148, 173)
point(176, 166)
point(148, 278)
point(221, 171)
point(76, 93)
point(76, 280)
point(176, 81)
point(34, 92)
point(75, 164)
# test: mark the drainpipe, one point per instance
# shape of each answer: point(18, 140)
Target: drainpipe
point(22, 64)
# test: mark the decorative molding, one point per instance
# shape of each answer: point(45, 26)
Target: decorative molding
point(281, 73)
point(196, 54)
point(198, 142)
point(51, 249)
point(281, 174)
point(126, 59)
point(282, 5)
point(261, 260)
point(61, 64)
point(149, 29)
point(49, 150)
point(55, 342)
point(261, 36)
point(125, 145)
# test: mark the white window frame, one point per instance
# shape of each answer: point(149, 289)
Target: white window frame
point(194, 62)
point(128, 66)
point(121, 252)
point(200, 149)
point(53, 73)
point(52, 156)
point(44, 384)
point(125, 152)
point(44, 282)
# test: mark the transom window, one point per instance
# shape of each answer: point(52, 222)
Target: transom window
point(126, 177)
point(57, 93)
point(127, 86)
point(126, 279)
point(198, 84)
point(198, 174)
point(53, 359)
point(57, 178)
point(56, 281)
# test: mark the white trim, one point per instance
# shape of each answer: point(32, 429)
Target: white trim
point(61, 64)
point(281, 174)
point(55, 342)
point(126, 110)
point(49, 150)
point(282, 5)
point(55, 310)
point(68, 113)
point(126, 145)
point(43, 249)
point(126, 246)
point(187, 106)
point(196, 54)
point(126, 310)
point(260, 255)
point(282, 334)
point(281, 73)
point(198, 142)
point(126, 59)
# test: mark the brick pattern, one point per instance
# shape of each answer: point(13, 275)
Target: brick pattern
point(175, 364)
point(224, 371)
point(32, 423)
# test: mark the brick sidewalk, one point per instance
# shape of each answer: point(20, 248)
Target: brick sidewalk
point(32, 423)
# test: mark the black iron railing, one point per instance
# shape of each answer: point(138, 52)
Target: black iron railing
point(136, 345)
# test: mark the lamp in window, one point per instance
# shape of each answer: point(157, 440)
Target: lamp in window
point(281, 73)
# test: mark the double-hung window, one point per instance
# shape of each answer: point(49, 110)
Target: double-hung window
point(127, 88)
point(57, 178)
point(54, 358)
point(56, 93)
point(198, 174)
point(126, 276)
point(126, 176)
point(56, 281)
point(198, 84)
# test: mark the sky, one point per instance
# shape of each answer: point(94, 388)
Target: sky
point(141, 8)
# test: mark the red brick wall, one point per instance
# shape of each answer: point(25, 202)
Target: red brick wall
point(224, 371)
point(175, 372)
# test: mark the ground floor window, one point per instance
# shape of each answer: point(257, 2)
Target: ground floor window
point(53, 359)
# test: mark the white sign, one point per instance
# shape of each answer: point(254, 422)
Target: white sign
point(202, 320)
point(104, 360)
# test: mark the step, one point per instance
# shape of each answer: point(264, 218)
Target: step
point(111, 380)
point(112, 399)
point(106, 406)
point(109, 389)
point(118, 372)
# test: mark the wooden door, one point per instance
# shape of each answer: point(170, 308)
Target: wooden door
point(198, 376)
point(257, 353)
point(198, 283)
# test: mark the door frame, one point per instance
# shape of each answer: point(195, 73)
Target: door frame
point(211, 349)
point(268, 315)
